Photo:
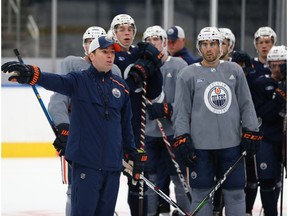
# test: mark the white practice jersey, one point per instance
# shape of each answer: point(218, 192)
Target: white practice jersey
point(212, 104)
point(170, 69)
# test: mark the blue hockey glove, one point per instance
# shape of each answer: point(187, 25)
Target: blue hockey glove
point(61, 140)
point(159, 110)
point(21, 73)
point(250, 142)
point(141, 70)
point(244, 60)
point(183, 150)
point(148, 51)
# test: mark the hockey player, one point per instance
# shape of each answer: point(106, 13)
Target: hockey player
point(176, 44)
point(59, 106)
point(161, 109)
point(100, 126)
point(176, 48)
point(227, 44)
point(212, 104)
point(227, 48)
point(132, 61)
point(269, 96)
point(264, 39)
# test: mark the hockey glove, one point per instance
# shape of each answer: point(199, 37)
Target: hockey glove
point(183, 149)
point(250, 142)
point(139, 160)
point(4, 67)
point(61, 139)
point(141, 70)
point(21, 73)
point(159, 110)
point(244, 60)
point(148, 51)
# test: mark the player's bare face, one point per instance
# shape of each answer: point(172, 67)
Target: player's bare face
point(210, 52)
point(274, 66)
point(263, 46)
point(225, 49)
point(102, 59)
point(125, 33)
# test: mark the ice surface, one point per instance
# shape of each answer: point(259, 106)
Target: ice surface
point(33, 187)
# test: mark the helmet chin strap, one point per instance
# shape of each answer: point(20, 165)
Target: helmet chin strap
point(122, 45)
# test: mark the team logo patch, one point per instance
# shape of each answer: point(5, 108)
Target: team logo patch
point(116, 92)
point(218, 97)
point(263, 166)
point(82, 175)
point(193, 175)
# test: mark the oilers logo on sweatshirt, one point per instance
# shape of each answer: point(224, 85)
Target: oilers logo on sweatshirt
point(218, 97)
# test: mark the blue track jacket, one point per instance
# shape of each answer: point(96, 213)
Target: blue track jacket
point(100, 126)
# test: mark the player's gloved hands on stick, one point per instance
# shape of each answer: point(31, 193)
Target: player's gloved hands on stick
point(159, 110)
point(184, 150)
point(24, 74)
point(141, 70)
point(139, 160)
point(250, 142)
point(61, 139)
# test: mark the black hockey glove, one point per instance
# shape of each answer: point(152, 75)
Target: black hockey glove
point(139, 160)
point(183, 150)
point(61, 140)
point(21, 73)
point(141, 70)
point(250, 142)
point(159, 110)
point(244, 60)
point(4, 67)
point(148, 51)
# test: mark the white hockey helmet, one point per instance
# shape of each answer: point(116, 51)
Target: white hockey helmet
point(120, 20)
point(277, 53)
point(92, 32)
point(228, 34)
point(209, 33)
point(265, 32)
point(155, 30)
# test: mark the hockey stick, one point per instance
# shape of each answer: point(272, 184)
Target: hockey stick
point(220, 182)
point(173, 158)
point(284, 160)
point(52, 124)
point(142, 145)
point(156, 189)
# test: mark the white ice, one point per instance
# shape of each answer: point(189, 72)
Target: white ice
point(33, 187)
